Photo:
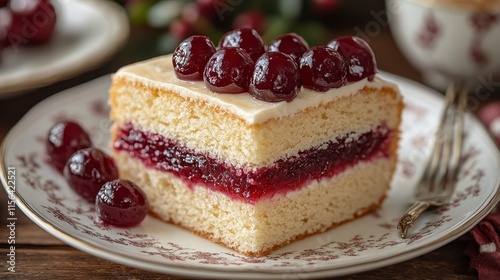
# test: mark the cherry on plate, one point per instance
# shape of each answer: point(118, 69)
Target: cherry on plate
point(87, 170)
point(121, 203)
point(65, 138)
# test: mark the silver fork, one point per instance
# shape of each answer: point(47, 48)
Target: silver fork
point(438, 180)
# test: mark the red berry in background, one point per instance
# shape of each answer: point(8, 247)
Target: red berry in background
point(275, 78)
point(228, 71)
point(4, 3)
point(191, 13)
point(5, 22)
point(87, 170)
point(65, 138)
point(324, 7)
point(121, 203)
point(245, 38)
point(358, 56)
point(253, 19)
point(291, 44)
point(181, 29)
point(490, 116)
point(207, 8)
point(322, 68)
point(191, 56)
point(33, 21)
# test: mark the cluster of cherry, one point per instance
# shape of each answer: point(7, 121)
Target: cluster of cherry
point(93, 175)
point(242, 63)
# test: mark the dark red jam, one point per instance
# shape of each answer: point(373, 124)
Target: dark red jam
point(246, 184)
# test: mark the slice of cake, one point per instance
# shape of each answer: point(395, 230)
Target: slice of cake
point(251, 174)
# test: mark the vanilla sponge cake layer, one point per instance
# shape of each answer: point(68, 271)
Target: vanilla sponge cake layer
point(246, 133)
point(257, 229)
point(208, 128)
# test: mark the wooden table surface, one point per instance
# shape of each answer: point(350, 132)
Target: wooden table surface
point(42, 256)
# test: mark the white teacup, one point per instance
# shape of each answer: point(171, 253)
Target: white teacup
point(448, 39)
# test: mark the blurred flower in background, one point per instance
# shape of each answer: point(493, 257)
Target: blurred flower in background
point(182, 18)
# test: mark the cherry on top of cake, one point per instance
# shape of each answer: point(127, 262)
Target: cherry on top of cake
point(242, 63)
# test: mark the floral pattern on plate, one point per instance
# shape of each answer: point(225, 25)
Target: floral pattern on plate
point(366, 243)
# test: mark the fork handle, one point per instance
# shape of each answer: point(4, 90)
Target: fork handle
point(411, 215)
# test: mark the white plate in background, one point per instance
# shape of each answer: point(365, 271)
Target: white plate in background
point(87, 33)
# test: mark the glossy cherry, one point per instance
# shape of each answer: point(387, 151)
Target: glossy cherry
point(275, 78)
point(291, 44)
point(245, 38)
point(33, 22)
point(191, 56)
point(121, 203)
point(322, 68)
point(87, 170)
point(228, 71)
point(65, 138)
point(358, 56)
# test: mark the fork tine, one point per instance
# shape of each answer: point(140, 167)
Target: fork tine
point(458, 130)
point(438, 181)
point(435, 170)
point(451, 134)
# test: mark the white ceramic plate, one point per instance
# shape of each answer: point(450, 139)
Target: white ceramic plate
point(364, 244)
point(87, 33)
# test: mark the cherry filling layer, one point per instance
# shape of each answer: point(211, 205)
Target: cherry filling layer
point(246, 184)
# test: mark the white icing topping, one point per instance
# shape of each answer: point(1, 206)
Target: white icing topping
point(158, 72)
